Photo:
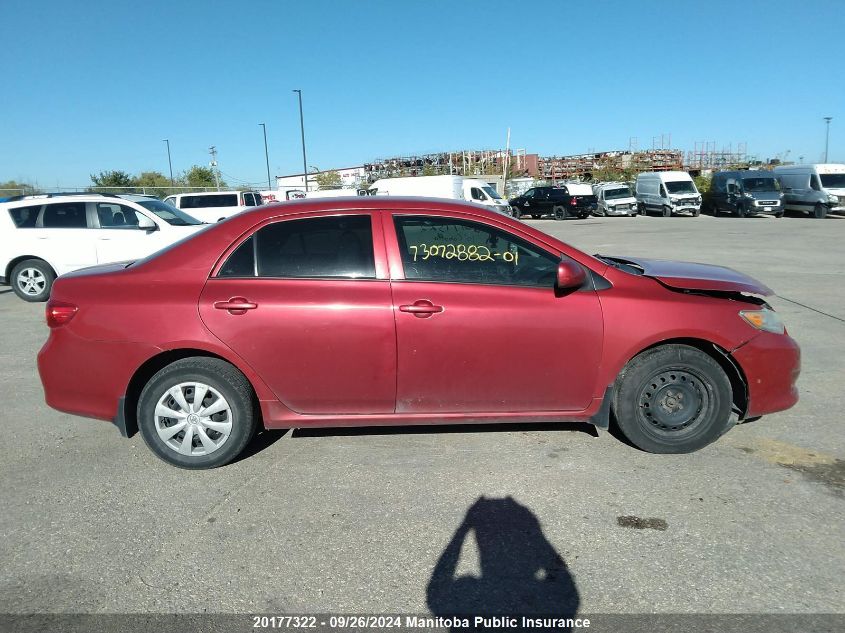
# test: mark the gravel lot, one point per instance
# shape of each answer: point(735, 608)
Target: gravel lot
point(364, 520)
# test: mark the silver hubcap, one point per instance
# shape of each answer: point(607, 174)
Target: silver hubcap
point(193, 419)
point(31, 281)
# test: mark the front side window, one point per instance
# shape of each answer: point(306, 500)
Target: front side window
point(335, 247)
point(462, 251)
point(477, 194)
point(25, 217)
point(529, 194)
point(65, 215)
point(116, 216)
point(814, 183)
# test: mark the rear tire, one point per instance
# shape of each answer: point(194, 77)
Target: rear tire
point(32, 280)
point(820, 211)
point(672, 399)
point(560, 212)
point(214, 439)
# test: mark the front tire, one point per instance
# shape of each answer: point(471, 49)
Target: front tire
point(820, 211)
point(667, 212)
point(672, 399)
point(32, 280)
point(559, 212)
point(197, 413)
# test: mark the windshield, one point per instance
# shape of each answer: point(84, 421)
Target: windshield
point(620, 192)
point(681, 186)
point(170, 214)
point(760, 184)
point(491, 192)
point(833, 181)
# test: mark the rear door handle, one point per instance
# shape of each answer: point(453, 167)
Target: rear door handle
point(235, 305)
point(422, 308)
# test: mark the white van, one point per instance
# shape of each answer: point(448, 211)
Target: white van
point(452, 187)
point(667, 192)
point(614, 198)
point(44, 236)
point(817, 189)
point(212, 206)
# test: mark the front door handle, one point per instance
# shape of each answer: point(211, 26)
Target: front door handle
point(421, 309)
point(235, 305)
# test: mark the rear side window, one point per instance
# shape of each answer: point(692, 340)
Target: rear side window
point(201, 202)
point(462, 251)
point(64, 215)
point(340, 247)
point(25, 217)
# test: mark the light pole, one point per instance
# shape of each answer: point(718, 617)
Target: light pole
point(302, 129)
point(169, 164)
point(266, 155)
point(826, 136)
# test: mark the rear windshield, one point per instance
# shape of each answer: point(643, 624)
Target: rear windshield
point(169, 214)
point(681, 186)
point(834, 181)
point(202, 202)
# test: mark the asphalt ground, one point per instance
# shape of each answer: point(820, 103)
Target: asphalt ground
point(384, 520)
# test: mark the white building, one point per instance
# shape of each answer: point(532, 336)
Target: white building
point(349, 177)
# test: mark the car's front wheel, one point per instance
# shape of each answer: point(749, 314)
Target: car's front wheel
point(32, 280)
point(672, 399)
point(559, 212)
point(197, 413)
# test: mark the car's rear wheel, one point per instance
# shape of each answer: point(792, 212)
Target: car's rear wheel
point(197, 413)
point(32, 280)
point(820, 211)
point(672, 399)
point(559, 212)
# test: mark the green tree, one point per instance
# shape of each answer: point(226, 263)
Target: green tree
point(199, 176)
point(115, 181)
point(702, 183)
point(328, 180)
point(15, 188)
point(153, 183)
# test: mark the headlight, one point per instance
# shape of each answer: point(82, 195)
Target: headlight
point(765, 319)
point(832, 198)
point(748, 195)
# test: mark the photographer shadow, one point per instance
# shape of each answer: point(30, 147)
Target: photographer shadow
point(521, 574)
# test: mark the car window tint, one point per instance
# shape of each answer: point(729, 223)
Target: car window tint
point(476, 194)
point(241, 263)
point(116, 216)
point(65, 215)
point(317, 247)
point(453, 250)
point(201, 202)
point(25, 217)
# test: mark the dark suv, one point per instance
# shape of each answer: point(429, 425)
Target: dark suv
point(561, 202)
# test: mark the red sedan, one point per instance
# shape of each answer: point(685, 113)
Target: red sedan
point(389, 311)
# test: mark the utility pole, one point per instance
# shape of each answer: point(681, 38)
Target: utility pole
point(266, 155)
point(169, 164)
point(826, 136)
point(302, 130)
point(213, 151)
point(507, 160)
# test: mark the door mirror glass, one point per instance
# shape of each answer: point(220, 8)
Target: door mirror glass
point(146, 224)
point(570, 275)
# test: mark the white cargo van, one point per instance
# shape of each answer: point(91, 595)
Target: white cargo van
point(667, 192)
point(211, 206)
point(817, 189)
point(452, 187)
point(614, 198)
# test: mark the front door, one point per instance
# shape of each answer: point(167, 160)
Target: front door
point(301, 303)
point(119, 237)
point(479, 326)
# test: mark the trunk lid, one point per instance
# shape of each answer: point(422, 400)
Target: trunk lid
point(693, 276)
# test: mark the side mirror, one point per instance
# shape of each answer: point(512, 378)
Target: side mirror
point(570, 275)
point(146, 224)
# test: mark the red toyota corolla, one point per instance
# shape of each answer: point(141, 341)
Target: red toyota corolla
point(388, 311)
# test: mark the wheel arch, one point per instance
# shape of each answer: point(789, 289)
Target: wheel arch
point(128, 413)
point(734, 372)
point(22, 258)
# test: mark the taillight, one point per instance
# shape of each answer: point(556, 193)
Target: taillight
point(59, 313)
point(573, 202)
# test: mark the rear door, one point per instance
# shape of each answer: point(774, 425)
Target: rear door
point(67, 234)
point(306, 303)
point(479, 327)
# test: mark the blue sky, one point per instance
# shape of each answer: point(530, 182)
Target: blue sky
point(97, 85)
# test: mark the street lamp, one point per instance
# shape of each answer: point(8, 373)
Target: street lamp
point(302, 129)
point(826, 136)
point(266, 155)
point(169, 164)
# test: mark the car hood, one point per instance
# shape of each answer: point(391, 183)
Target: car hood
point(692, 276)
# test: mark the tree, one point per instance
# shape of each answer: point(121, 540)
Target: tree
point(153, 183)
point(328, 180)
point(198, 176)
point(115, 181)
point(14, 188)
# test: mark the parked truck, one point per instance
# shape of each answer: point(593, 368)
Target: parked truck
point(451, 187)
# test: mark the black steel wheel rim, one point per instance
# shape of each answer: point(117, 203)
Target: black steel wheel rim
point(673, 403)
